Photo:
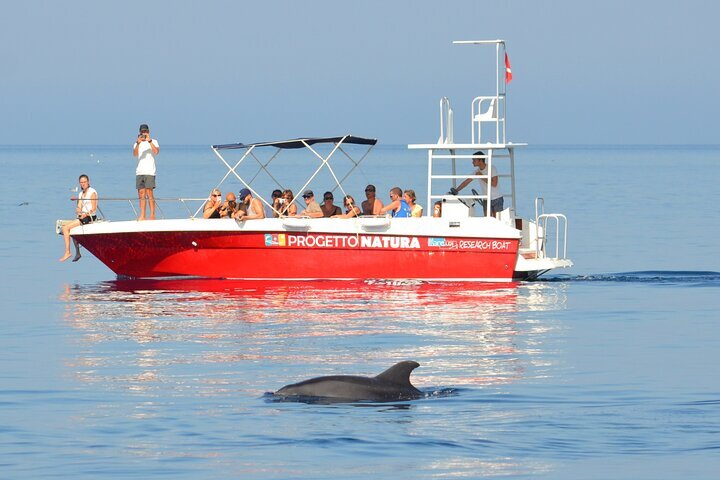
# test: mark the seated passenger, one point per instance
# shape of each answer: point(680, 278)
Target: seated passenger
point(250, 207)
point(397, 207)
point(437, 209)
point(85, 213)
point(288, 208)
point(372, 205)
point(312, 209)
point(276, 203)
point(213, 205)
point(415, 209)
point(352, 209)
point(328, 207)
point(229, 207)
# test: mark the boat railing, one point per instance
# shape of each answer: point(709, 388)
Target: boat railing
point(488, 110)
point(446, 121)
point(539, 207)
point(470, 196)
point(559, 234)
point(106, 211)
point(540, 240)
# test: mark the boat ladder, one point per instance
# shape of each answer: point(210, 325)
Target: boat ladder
point(543, 239)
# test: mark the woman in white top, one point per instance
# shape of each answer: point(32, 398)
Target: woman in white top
point(85, 211)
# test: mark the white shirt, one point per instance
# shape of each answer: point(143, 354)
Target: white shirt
point(146, 159)
point(496, 193)
point(86, 200)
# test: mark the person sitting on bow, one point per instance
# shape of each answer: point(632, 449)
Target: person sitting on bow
point(86, 213)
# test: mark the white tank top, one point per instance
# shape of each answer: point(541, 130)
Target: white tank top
point(251, 210)
point(85, 199)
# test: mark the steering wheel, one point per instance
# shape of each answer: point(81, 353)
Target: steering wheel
point(477, 200)
point(463, 201)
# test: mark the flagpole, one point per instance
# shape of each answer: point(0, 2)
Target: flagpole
point(500, 94)
point(497, 92)
point(497, 70)
point(504, 105)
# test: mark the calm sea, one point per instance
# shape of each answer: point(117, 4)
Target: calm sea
point(607, 370)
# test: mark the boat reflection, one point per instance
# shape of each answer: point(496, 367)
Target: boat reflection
point(139, 334)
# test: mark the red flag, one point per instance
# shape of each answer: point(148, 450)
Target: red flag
point(508, 69)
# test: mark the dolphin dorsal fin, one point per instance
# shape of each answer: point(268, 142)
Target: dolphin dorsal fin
point(399, 373)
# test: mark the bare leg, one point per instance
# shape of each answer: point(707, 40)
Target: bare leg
point(66, 236)
point(151, 200)
point(141, 194)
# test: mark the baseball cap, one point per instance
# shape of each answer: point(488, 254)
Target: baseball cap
point(308, 193)
point(144, 127)
point(244, 193)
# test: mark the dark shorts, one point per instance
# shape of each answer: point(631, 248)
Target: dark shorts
point(86, 220)
point(145, 181)
point(495, 205)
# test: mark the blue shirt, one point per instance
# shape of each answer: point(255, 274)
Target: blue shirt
point(403, 211)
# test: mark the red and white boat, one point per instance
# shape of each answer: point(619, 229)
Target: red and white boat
point(463, 244)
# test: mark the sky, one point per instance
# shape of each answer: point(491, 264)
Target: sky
point(201, 73)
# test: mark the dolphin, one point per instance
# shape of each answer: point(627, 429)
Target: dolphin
point(391, 385)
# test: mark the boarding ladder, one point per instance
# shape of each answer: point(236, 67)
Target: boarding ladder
point(544, 234)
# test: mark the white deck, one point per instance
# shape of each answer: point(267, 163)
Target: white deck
point(425, 226)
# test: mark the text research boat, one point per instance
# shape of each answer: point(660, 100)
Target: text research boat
point(460, 243)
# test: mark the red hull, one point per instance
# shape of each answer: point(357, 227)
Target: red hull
point(259, 255)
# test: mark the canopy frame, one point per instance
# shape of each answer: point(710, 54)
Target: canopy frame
point(298, 143)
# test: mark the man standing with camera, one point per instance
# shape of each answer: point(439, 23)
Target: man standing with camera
point(145, 149)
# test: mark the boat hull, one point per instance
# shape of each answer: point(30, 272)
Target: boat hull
point(299, 255)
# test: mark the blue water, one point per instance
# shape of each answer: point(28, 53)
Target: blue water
point(607, 370)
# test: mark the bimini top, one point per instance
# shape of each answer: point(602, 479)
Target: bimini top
point(299, 142)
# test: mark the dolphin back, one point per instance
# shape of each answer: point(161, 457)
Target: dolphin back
point(399, 374)
point(392, 384)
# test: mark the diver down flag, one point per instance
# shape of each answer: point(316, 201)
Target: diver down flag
point(508, 70)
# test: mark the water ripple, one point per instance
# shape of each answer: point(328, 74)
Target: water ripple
point(659, 277)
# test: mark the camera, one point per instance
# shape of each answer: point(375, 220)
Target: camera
point(281, 201)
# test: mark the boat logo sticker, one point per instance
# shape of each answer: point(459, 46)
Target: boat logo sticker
point(275, 240)
point(470, 244)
